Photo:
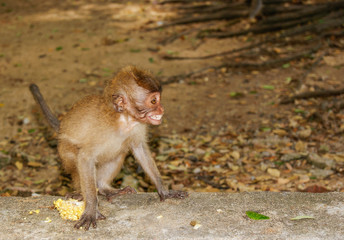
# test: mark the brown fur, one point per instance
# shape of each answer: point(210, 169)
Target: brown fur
point(97, 133)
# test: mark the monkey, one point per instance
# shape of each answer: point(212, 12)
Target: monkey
point(97, 133)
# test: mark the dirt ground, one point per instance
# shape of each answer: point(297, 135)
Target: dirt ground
point(70, 48)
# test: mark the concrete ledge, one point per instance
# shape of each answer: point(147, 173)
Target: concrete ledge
point(135, 217)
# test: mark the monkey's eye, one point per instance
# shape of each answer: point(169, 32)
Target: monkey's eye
point(153, 101)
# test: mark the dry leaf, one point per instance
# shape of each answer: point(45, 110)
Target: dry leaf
point(274, 172)
point(19, 165)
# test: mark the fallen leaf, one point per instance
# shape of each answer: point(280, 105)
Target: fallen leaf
point(19, 165)
point(315, 189)
point(235, 155)
point(256, 216)
point(302, 217)
point(283, 181)
point(268, 87)
point(280, 132)
point(274, 172)
point(34, 164)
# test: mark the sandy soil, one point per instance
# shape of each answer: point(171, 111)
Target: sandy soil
point(70, 48)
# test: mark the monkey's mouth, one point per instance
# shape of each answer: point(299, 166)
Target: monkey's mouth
point(156, 117)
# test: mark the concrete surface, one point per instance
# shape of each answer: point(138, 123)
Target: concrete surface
point(221, 215)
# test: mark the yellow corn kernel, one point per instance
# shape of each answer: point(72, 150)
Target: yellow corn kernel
point(34, 211)
point(70, 209)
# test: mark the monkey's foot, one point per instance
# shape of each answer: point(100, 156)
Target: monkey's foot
point(74, 195)
point(114, 193)
point(174, 194)
point(87, 219)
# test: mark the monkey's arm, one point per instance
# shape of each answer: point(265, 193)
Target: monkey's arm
point(143, 156)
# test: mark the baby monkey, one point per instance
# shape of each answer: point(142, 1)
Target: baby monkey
point(98, 132)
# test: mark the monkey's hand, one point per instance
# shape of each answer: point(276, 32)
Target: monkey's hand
point(88, 218)
point(173, 194)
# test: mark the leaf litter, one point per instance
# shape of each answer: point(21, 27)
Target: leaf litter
point(295, 148)
point(282, 159)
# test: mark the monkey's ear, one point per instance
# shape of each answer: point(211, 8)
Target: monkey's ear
point(118, 102)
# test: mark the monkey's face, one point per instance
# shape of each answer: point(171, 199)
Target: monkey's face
point(150, 109)
point(155, 115)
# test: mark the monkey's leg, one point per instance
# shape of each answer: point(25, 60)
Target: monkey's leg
point(106, 172)
point(143, 155)
point(68, 153)
point(76, 183)
point(87, 173)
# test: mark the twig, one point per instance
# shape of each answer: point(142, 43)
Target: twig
point(270, 63)
point(223, 15)
point(315, 94)
point(176, 36)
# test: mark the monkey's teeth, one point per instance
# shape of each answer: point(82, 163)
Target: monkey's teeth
point(156, 117)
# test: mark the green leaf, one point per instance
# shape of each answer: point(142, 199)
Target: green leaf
point(59, 48)
point(161, 157)
point(40, 181)
point(288, 80)
point(83, 80)
point(106, 70)
point(302, 217)
point(297, 110)
point(235, 94)
point(287, 65)
point(256, 216)
point(151, 60)
point(268, 87)
point(266, 129)
point(31, 130)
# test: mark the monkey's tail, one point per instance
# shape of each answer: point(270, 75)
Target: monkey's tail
point(52, 119)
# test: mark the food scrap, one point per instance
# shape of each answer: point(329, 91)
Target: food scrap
point(69, 209)
point(34, 211)
point(195, 224)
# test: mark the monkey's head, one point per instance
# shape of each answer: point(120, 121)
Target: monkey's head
point(137, 93)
